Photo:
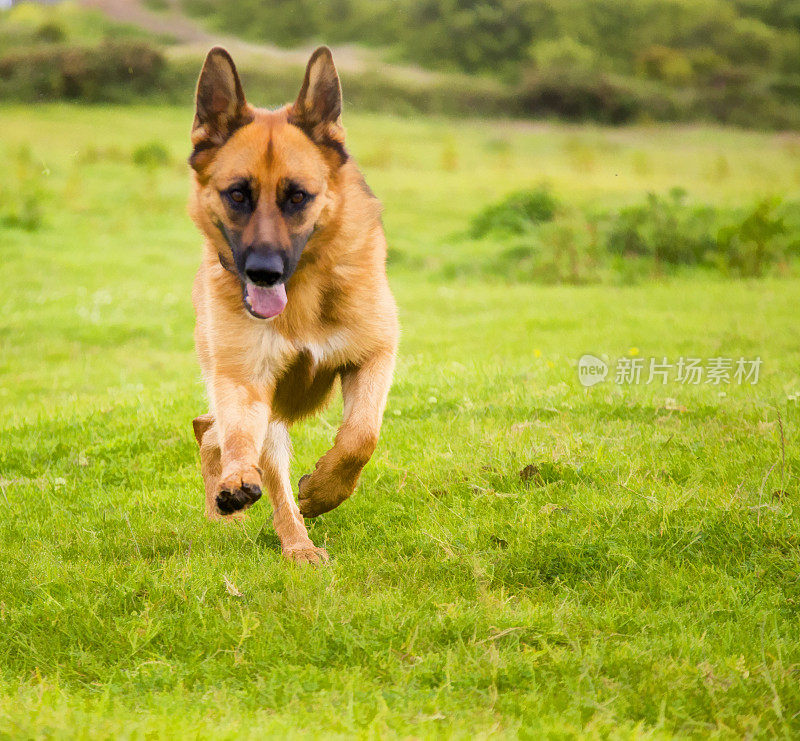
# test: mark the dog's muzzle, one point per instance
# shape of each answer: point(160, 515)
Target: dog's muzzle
point(264, 286)
point(265, 269)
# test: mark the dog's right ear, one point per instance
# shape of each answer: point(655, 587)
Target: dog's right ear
point(220, 107)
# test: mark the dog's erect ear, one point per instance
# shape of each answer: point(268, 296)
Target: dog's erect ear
point(220, 106)
point(318, 107)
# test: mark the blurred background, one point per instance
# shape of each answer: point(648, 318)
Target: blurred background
point(681, 184)
point(615, 61)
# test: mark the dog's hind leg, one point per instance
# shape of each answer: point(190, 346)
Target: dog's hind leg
point(364, 390)
point(286, 517)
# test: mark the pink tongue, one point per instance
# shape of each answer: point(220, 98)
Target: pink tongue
point(266, 302)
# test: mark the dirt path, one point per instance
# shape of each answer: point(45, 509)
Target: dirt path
point(195, 40)
point(172, 22)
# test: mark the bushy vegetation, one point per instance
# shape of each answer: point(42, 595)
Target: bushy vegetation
point(730, 60)
point(601, 60)
point(516, 213)
point(672, 40)
point(151, 155)
point(22, 191)
point(548, 242)
point(68, 53)
point(111, 71)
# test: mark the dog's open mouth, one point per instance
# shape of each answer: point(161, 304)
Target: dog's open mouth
point(265, 302)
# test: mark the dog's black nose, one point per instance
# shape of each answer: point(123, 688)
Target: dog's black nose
point(264, 269)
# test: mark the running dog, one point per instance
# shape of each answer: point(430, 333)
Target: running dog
point(291, 294)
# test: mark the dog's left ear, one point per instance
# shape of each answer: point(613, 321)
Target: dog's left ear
point(220, 106)
point(318, 107)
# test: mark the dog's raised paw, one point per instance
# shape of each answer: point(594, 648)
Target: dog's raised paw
point(238, 489)
point(311, 498)
point(309, 504)
point(312, 555)
point(236, 497)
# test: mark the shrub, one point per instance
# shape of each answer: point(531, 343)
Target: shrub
point(516, 214)
point(530, 237)
point(706, 63)
point(749, 245)
point(664, 63)
point(22, 192)
point(51, 32)
point(577, 95)
point(469, 36)
point(560, 252)
point(151, 155)
point(111, 71)
point(564, 53)
point(664, 229)
point(668, 231)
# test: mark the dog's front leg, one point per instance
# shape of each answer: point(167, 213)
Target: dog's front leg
point(286, 517)
point(364, 390)
point(241, 416)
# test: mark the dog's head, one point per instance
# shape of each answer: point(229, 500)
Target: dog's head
point(262, 178)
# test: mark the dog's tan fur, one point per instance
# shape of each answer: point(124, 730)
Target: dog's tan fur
point(340, 320)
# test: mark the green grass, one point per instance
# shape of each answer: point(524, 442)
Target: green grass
point(644, 583)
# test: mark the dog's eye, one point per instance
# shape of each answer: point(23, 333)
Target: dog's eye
point(238, 197)
point(297, 197)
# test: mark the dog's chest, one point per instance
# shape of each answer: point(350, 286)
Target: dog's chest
point(301, 374)
point(273, 353)
point(330, 351)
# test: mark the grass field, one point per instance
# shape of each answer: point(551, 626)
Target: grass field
point(641, 579)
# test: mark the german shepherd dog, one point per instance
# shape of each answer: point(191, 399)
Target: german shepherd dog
point(291, 295)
